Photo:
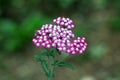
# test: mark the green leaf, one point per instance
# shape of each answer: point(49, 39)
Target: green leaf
point(55, 50)
point(49, 52)
point(64, 64)
point(52, 52)
point(40, 56)
point(45, 67)
point(37, 58)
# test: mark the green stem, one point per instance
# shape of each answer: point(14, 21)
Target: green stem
point(52, 73)
point(45, 68)
point(52, 69)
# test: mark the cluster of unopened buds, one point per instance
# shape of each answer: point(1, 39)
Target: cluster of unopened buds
point(60, 36)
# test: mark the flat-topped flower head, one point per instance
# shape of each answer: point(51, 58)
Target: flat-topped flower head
point(64, 22)
point(60, 37)
point(49, 35)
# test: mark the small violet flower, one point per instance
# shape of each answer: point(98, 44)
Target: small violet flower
point(54, 35)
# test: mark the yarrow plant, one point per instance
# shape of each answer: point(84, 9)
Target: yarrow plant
point(57, 38)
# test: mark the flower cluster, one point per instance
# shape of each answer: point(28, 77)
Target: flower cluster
point(66, 22)
point(77, 46)
point(51, 35)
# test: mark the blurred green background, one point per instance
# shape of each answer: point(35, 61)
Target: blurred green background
point(97, 20)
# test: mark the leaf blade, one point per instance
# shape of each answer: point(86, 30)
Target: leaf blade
point(65, 64)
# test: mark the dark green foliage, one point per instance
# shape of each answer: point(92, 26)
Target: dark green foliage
point(8, 35)
point(115, 24)
point(114, 4)
point(14, 37)
point(30, 24)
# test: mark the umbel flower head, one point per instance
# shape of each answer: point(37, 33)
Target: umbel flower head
point(66, 22)
point(50, 36)
point(59, 37)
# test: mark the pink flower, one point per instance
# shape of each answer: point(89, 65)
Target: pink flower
point(77, 46)
point(51, 35)
point(61, 21)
